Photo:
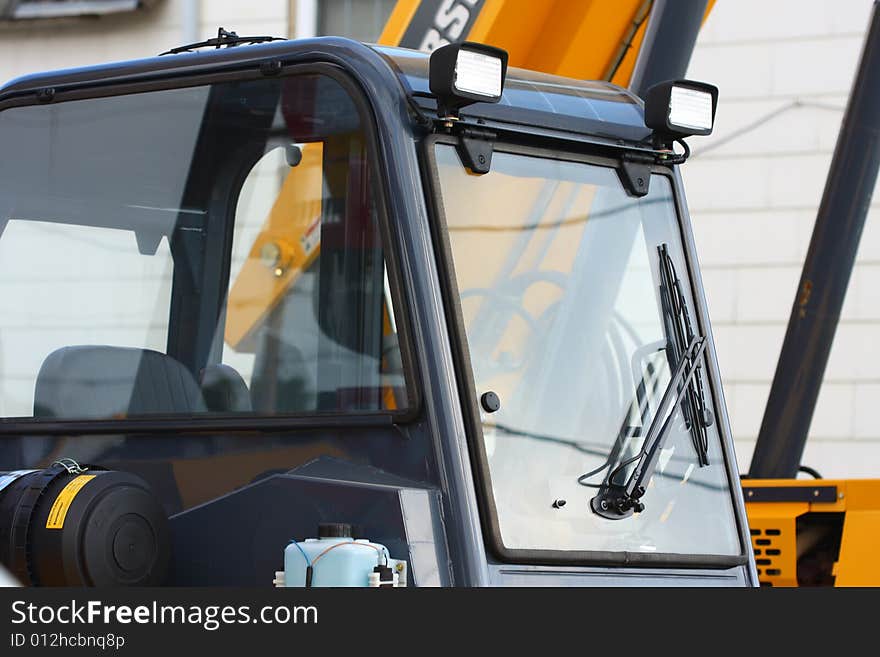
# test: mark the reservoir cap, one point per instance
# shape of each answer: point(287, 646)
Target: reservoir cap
point(334, 530)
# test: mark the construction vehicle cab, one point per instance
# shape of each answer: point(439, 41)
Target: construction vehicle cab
point(447, 307)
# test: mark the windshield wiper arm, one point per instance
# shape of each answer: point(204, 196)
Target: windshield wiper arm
point(680, 333)
point(617, 501)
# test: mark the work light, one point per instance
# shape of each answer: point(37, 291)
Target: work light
point(465, 73)
point(681, 108)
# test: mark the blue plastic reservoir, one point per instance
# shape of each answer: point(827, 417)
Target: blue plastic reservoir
point(349, 564)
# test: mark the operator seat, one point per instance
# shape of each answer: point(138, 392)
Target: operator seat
point(94, 381)
point(224, 390)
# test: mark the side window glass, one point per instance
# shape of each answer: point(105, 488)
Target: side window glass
point(309, 323)
point(92, 287)
point(204, 250)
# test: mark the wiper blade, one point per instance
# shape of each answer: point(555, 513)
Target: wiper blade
point(680, 333)
point(617, 501)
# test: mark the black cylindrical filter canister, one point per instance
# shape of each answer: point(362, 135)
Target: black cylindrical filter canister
point(64, 526)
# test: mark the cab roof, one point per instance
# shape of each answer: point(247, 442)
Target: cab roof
point(530, 99)
point(534, 98)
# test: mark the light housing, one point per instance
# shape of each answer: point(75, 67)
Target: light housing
point(464, 73)
point(681, 108)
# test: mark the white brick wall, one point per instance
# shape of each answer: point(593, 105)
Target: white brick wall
point(754, 189)
point(42, 45)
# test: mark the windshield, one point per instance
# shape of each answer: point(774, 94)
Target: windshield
point(559, 278)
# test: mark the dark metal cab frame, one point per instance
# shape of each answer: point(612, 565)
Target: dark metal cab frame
point(443, 418)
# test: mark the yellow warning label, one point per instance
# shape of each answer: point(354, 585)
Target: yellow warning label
point(62, 503)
